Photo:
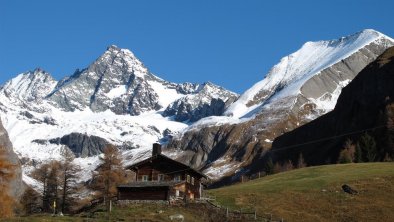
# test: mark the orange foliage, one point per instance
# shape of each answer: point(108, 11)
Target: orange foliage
point(6, 175)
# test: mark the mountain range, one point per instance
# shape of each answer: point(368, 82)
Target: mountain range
point(118, 100)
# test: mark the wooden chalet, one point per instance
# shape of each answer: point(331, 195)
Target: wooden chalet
point(162, 178)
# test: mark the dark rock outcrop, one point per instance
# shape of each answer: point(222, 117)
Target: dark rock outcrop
point(81, 144)
point(365, 105)
point(207, 100)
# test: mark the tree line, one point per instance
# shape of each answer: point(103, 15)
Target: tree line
point(364, 150)
point(61, 190)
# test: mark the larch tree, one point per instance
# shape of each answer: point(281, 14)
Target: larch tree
point(68, 180)
point(7, 173)
point(53, 184)
point(41, 174)
point(108, 175)
point(48, 175)
point(30, 201)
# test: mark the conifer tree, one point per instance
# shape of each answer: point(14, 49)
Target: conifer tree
point(368, 146)
point(68, 180)
point(53, 185)
point(358, 156)
point(30, 201)
point(48, 175)
point(6, 174)
point(269, 166)
point(109, 174)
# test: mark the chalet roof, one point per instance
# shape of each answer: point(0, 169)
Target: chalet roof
point(150, 184)
point(183, 167)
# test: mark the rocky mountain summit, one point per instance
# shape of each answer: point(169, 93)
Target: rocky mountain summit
point(118, 81)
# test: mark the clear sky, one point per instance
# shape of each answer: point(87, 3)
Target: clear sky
point(230, 43)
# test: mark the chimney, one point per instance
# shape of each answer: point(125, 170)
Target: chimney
point(156, 149)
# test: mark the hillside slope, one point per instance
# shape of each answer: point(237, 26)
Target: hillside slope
point(315, 194)
point(365, 105)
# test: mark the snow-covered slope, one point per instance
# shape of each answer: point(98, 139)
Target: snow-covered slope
point(287, 78)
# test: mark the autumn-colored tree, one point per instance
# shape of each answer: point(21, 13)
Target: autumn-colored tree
point(348, 154)
point(48, 175)
point(53, 184)
point(6, 175)
point(68, 177)
point(30, 201)
point(344, 156)
point(109, 174)
point(288, 165)
point(41, 174)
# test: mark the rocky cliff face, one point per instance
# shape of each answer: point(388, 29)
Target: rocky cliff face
point(17, 186)
point(207, 100)
point(117, 80)
point(365, 105)
point(81, 145)
point(303, 86)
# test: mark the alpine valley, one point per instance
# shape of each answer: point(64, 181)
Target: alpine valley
point(117, 100)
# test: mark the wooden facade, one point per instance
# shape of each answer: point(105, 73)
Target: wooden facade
point(162, 178)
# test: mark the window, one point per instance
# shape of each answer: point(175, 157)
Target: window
point(192, 180)
point(160, 177)
point(177, 177)
point(145, 177)
point(188, 178)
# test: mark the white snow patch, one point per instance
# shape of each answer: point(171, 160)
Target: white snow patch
point(117, 91)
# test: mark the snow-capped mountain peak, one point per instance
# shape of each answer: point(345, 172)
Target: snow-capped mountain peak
point(30, 86)
point(287, 78)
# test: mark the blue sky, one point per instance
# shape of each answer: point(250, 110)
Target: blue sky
point(230, 43)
